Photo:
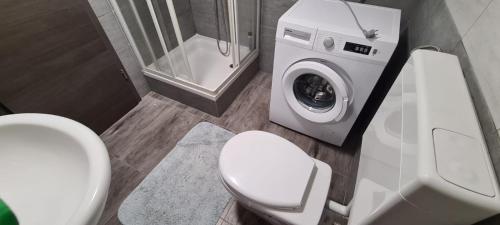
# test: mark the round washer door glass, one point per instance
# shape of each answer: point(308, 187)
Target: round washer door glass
point(315, 91)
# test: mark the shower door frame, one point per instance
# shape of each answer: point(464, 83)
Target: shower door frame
point(239, 64)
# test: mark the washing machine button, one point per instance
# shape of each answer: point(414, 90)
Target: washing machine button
point(329, 43)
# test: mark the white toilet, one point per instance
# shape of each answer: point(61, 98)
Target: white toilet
point(274, 178)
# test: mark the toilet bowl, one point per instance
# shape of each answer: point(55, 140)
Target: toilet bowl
point(274, 178)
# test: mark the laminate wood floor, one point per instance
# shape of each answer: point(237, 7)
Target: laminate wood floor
point(140, 140)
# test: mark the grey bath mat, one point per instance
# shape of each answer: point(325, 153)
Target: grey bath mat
point(184, 188)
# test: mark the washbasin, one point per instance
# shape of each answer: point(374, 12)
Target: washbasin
point(53, 170)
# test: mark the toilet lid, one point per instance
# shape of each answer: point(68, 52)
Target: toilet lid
point(266, 169)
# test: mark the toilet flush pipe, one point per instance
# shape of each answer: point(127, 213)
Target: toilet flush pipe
point(343, 210)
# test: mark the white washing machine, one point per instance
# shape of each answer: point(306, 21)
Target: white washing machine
point(325, 68)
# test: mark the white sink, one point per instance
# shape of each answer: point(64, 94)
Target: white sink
point(53, 170)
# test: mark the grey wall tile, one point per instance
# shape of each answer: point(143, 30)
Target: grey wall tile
point(481, 44)
point(266, 61)
point(184, 17)
point(267, 43)
point(493, 142)
point(205, 20)
point(433, 25)
point(407, 8)
point(100, 7)
point(186, 22)
point(267, 39)
point(482, 109)
point(134, 70)
point(204, 14)
point(271, 11)
point(466, 12)
point(114, 31)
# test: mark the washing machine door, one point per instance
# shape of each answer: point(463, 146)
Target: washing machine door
point(315, 91)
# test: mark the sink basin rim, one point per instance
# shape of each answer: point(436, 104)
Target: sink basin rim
point(99, 172)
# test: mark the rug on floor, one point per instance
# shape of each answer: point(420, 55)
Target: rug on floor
point(184, 188)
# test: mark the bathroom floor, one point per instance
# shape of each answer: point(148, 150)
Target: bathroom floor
point(146, 134)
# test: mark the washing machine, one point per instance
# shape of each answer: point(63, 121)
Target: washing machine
point(324, 66)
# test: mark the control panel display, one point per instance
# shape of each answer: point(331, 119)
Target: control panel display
point(357, 48)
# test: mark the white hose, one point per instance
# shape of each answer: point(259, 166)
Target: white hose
point(369, 34)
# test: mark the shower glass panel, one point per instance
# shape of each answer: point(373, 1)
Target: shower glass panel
point(141, 30)
point(166, 27)
point(246, 19)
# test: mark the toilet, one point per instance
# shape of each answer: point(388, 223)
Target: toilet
point(274, 178)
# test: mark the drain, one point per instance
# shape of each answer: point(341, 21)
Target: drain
point(231, 66)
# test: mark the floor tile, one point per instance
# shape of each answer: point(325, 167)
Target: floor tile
point(337, 191)
point(330, 218)
point(113, 221)
point(164, 134)
point(222, 222)
point(239, 215)
point(124, 179)
point(339, 159)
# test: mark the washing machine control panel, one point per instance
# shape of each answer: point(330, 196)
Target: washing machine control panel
point(336, 44)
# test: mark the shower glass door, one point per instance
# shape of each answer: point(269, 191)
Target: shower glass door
point(166, 24)
point(247, 23)
point(153, 28)
point(142, 31)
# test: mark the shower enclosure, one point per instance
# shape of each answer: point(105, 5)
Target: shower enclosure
point(198, 46)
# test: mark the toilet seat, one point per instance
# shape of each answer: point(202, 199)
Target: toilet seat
point(266, 169)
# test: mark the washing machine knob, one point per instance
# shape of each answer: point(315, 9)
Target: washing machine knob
point(329, 43)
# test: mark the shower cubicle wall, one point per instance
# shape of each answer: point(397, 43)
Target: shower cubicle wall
point(176, 41)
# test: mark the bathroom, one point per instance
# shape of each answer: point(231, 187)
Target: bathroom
point(166, 88)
